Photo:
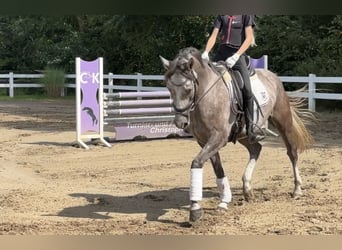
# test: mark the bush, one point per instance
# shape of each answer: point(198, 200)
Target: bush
point(53, 81)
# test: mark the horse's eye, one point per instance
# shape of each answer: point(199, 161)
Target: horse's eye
point(188, 85)
point(178, 79)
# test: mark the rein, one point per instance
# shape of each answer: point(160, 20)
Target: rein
point(207, 91)
point(192, 105)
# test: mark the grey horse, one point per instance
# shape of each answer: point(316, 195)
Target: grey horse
point(204, 104)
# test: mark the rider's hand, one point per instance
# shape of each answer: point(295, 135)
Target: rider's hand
point(230, 62)
point(205, 56)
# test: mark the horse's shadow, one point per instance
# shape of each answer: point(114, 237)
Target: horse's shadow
point(154, 204)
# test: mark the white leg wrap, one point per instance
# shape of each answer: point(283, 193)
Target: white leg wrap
point(247, 177)
point(196, 183)
point(224, 189)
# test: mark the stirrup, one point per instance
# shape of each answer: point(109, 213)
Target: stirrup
point(255, 138)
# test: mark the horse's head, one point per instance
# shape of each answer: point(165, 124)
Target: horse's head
point(181, 80)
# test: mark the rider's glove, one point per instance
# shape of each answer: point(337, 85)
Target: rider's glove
point(205, 56)
point(230, 62)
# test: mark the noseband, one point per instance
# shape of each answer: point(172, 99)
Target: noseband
point(191, 105)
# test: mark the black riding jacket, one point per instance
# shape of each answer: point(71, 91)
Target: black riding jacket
point(232, 28)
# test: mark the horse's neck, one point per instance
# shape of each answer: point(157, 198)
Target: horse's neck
point(209, 81)
point(212, 104)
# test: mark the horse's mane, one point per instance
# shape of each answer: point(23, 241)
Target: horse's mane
point(182, 59)
point(189, 52)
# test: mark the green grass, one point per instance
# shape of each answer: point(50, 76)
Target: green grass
point(34, 97)
point(53, 81)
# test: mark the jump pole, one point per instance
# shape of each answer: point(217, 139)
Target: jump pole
point(89, 101)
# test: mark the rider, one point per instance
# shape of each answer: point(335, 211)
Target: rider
point(236, 36)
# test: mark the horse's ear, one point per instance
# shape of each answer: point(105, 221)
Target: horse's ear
point(191, 62)
point(165, 62)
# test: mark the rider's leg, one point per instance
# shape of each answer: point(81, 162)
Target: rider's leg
point(248, 101)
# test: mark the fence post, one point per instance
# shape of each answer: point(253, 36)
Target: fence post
point(11, 85)
point(110, 82)
point(139, 82)
point(63, 89)
point(312, 91)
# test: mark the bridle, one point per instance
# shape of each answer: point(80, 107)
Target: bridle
point(192, 104)
point(192, 76)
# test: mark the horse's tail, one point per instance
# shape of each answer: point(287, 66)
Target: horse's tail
point(301, 118)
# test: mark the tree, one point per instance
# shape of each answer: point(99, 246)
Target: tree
point(137, 41)
point(296, 45)
point(33, 42)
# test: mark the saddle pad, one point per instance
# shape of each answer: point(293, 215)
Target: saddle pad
point(226, 77)
point(259, 91)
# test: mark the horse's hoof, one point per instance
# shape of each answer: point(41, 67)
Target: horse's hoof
point(297, 194)
point(222, 207)
point(196, 215)
point(249, 195)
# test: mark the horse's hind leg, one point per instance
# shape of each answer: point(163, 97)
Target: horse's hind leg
point(293, 155)
point(285, 128)
point(254, 152)
point(222, 182)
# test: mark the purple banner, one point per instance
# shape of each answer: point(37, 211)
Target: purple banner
point(258, 63)
point(90, 107)
point(148, 130)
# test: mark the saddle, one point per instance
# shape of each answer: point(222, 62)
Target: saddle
point(236, 89)
point(237, 81)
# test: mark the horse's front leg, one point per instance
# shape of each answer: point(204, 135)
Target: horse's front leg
point(222, 182)
point(196, 175)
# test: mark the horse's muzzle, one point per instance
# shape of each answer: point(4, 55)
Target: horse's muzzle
point(181, 121)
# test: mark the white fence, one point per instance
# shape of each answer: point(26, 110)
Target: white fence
point(13, 81)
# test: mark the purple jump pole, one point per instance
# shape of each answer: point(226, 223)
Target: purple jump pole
point(138, 94)
point(135, 111)
point(139, 103)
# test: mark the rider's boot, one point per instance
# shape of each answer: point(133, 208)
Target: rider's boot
point(249, 113)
